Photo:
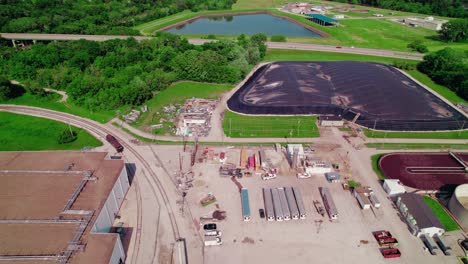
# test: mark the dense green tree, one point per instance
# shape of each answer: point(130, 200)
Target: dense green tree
point(448, 67)
point(67, 135)
point(418, 46)
point(455, 30)
point(9, 90)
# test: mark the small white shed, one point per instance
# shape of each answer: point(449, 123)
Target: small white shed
point(393, 187)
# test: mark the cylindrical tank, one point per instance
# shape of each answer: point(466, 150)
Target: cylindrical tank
point(458, 205)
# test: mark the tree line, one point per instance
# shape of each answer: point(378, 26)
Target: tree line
point(114, 17)
point(448, 67)
point(107, 75)
point(449, 8)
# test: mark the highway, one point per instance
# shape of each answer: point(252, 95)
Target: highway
point(271, 45)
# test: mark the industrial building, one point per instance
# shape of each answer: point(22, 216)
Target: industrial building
point(418, 216)
point(322, 20)
point(295, 147)
point(332, 121)
point(59, 207)
point(393, 187)
point(458, 205)
point(428, 22)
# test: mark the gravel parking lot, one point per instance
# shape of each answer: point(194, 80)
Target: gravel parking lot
point(313, 240)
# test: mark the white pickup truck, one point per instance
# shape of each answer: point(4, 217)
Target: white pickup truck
point(213, 241)
point(214, 233)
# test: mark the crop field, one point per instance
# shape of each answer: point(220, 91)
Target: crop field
point(21, 132)
point(236, 125)
point(444, 218)
point(177, 94)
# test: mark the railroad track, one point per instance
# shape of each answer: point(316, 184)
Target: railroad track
point(101, 131)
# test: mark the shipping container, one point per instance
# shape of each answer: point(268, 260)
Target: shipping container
point(269, 210)
point(300, 203)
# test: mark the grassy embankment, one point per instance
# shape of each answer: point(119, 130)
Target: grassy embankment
point(445, 219)
point(21, 132)
point(427, 135)
point(375, 166)
point(176, 94)
point(51, 102)
point(391, 146)
point(236, 125)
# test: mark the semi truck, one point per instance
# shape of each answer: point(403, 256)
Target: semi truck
point(245, 204)
point(213, 241)
point(115, 143)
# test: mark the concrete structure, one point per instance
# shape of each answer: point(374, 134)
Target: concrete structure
point(297, 8)
point(60, 206)
point(393, 187)
point(318, 167)
point(290, 150)
point(458, 205)
point(418, 216)
point(334, 121)
point(428, 22)
point(339, 16)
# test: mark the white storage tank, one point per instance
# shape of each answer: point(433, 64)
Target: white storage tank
point(458, 205)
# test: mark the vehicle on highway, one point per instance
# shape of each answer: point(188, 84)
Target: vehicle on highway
point(261, 212)
point(339, 47)
point(210, 226)
point(115, 143)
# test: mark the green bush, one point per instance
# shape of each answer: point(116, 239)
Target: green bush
point(278, 38)
point(354, 184)
point(66, 136)
point(418, 46)
point(211, 36)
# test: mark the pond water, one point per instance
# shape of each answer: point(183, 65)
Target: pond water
point(243, 24)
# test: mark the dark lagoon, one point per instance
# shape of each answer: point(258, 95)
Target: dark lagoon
point(243, 24)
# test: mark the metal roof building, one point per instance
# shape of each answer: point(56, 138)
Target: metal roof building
point(58, 207)
point(419, 217)
point(322, 20)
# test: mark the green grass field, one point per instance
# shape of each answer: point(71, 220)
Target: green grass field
point(236, 125)
point(375, 166)
point(439, 211)
point(429, 135)
point(51, 102)
point(21, 132)
point(415, 146)
point(177, 94)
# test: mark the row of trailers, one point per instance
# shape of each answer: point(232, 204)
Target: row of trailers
point(283, 204)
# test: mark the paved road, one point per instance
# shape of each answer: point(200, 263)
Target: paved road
point(271, 45)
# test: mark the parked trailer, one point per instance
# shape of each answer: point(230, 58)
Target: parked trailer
point(442, 245)
point(245, 204)
point(300, 203)
point(390, 252)
point(269, 210)
point(374, 201)
point(329, 203)
point(263, 158)
point(291, 203)
point(284, 204)
point(114, 142)
point(429, 244)
point(277, 205)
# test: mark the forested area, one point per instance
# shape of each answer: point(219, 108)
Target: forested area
point(106, 75)
point(92, 17)
point(449, 8)
point(448, 67)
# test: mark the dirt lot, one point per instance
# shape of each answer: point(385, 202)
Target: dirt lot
point(313, 240)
